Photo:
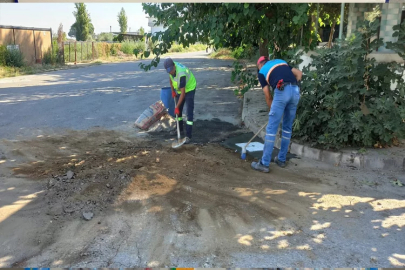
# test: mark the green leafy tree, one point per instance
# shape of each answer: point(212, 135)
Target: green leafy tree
point(399, 46)
point(270, 27)
point(329, 14)
point(123, 21)
point(105, 37)
point(82, 29)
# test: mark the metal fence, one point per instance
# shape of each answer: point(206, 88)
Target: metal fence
point(75, 52)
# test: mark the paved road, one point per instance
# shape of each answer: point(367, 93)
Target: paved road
point(110, 96)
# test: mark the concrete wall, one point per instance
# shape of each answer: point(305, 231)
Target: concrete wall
point(33, 43)
point(6, 36)
point(390, 16)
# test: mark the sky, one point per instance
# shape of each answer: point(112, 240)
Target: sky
point(50, 15)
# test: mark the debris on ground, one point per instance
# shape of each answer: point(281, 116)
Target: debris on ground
point(140, 187)
point(88, 215)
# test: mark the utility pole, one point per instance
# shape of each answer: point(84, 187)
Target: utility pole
point(342, 18)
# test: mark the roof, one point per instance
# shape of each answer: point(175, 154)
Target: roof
point(24, 28)
point(128, 33)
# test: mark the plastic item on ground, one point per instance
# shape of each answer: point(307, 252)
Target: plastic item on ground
point(167, 99)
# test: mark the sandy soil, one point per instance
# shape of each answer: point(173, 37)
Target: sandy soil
point(108, 199)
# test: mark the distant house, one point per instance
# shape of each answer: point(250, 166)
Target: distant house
point(155, 27)
point(130, 35)
point(392, 13)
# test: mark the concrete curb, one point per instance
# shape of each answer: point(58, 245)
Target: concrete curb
point(254, 122)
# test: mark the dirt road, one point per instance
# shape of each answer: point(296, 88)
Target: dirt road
point(201, 205)
point(79, 187)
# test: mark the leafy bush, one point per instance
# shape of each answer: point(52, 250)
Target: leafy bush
point(105, 37)
point(3, 52)
point(119, 38)
point(222, 53)
point(114, 49)
point(129, 46)
point(176, 48)
point(53, 55)
point(14, 58)
point(347, 98)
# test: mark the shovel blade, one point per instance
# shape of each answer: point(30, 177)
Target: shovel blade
point(178, 143)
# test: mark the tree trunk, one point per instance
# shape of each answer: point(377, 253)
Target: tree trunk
point(263, 49)
point(332, 32)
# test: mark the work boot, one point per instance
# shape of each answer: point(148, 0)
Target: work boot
point(188, 140)
point(258, 166)
point(279, 163)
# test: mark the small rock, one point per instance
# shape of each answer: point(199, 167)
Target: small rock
point(143, 169)
point(184, 165)
point(108, 185)
point(88, 215)
point(51, 183)
point(157, 160)
point(69, 175)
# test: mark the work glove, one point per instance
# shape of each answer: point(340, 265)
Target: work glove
point(176, 111)
point(174, 94)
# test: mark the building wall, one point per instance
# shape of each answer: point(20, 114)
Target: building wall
point(6, 36)
point(25, 40)
point(32, 43)
point(43, 42)
point(155, 28)
point(390, 16)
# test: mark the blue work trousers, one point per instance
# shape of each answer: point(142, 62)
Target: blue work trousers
point(284, 103)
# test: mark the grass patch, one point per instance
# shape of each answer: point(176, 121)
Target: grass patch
point(177, 48)
point(129, 46)
point(223, 53)
point(26, 70)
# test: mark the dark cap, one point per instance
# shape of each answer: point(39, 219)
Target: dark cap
point(169, 64)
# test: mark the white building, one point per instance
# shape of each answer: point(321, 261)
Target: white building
point(155, 28)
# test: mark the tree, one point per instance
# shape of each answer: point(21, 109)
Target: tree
point(329, 14)
point(270, 27)
point(123, 21)
point(105, 37)
point(142, 32)
point(82, 29)
point(61, 36)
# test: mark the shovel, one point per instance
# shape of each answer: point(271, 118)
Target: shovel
point(179, 141)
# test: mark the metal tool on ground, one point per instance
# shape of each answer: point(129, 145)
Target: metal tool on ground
point(243, 155)
point(179, 141)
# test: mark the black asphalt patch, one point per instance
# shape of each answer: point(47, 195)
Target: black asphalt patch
point(206, 131)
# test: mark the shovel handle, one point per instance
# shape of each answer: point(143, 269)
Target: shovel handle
point(177, 121)
point(257, 133)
